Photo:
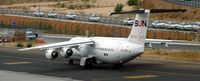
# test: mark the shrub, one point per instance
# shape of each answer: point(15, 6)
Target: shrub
point(34, 6)
point(20, 45)
point(132, 2)
point(62, 5)
point(71, 7)
point(29, 45)
point(118, 7)
point(58, 4)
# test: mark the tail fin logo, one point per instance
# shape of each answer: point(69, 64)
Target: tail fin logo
point(140, 23)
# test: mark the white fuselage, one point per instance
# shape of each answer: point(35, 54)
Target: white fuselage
point(110, 50)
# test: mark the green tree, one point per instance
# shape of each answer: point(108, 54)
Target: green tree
point(118, 7)
point(85, 0)
point(132, 2)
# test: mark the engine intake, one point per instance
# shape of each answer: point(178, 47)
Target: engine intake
point(51, 54)
point(66, 52)
point(69, 52)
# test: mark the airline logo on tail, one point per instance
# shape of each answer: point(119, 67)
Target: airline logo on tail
point(140, 23)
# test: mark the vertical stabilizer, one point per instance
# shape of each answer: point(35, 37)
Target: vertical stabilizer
point(139, 30)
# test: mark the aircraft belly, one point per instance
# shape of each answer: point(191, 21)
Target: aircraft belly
point(106, 57)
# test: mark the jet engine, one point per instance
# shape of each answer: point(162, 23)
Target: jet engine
point(66, 52)
point(51, 54)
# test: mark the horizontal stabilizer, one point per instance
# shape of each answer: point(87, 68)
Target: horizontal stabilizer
point(152, 11)
point(167, 10)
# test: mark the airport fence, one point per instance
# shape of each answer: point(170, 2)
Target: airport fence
point(191, 3)
point(80, 28)
point(81, 16)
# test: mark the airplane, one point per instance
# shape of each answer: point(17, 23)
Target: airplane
point(102, 50)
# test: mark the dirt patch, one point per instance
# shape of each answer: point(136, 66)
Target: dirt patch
point(105, 7)
point(101, 7)
point(192, 14)
point(10, 2)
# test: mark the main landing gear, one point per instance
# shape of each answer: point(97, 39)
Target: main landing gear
point(87, 62)
point(119, 65)
point(71, 61)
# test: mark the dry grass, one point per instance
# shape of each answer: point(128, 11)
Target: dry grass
point(105, 7)
point(192, 14)
point(9, 2)
point(180, 55)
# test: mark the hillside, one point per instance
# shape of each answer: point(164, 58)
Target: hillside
point(192, 14)
point(105, 7)
point(7, 2)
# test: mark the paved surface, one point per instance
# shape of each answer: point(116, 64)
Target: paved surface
point(18, 76)
point(140, 69)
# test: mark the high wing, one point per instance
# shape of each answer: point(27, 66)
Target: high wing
point(70, 43)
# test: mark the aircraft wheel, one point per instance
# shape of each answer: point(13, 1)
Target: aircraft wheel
point(71, 62)
point(119, 65)
point(88, 63)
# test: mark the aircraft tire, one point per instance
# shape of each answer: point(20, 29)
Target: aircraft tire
point(88, 63)
point(71, 61)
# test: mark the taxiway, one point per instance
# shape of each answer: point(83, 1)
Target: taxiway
point(140, 69)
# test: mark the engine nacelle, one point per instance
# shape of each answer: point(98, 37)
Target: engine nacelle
point(51, 54)
point(66, 52)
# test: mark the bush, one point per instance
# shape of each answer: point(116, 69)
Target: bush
point(80, 6)
point(118, 7)
point(29, 45)
point(20, 45)
point(34, 6)
point(62, 5)
point(71, 7)
point(58, 4)
point(132, 2)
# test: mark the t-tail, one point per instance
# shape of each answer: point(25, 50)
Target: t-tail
point(139, 30)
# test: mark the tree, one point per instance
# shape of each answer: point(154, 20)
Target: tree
point(132, 2)
point(85, 0)
point(118, 7)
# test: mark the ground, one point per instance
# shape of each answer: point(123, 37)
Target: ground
point(180, 55)
point(105, 7)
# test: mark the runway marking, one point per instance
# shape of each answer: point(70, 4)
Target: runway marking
point(140, 76)
point(106, 79)
point(15, 63)
point(127, 77)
